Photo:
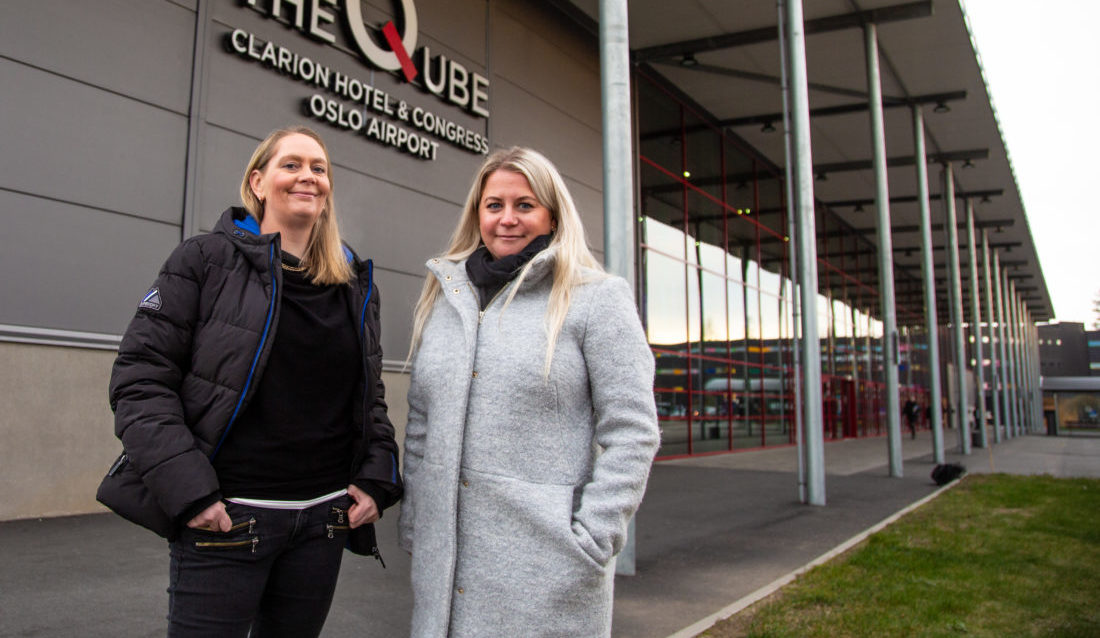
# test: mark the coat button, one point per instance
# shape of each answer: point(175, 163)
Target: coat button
point(448, 277)
point(475, 374)
point(455, 291)
point(435, 261)
point(461, 590)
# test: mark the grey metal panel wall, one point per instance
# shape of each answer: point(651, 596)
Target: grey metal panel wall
point(94, 139)
point(71, 267)
point(136, 48)
point(77, 143)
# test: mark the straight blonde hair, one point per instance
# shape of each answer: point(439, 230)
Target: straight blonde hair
point(324, 258)
point(568, 250)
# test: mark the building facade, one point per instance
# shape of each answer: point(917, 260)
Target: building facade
point(127, 126)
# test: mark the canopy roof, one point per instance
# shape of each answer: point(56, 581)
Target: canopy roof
point(927, 56)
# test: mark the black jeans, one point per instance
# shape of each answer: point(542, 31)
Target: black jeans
point(273, 573)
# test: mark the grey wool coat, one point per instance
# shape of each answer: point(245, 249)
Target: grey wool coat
point(519, 487)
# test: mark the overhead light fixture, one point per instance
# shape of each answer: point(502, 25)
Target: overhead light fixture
point(968, 163)
point(768, 127)
point(941, 107)
point(689, 60)
point(687, 174)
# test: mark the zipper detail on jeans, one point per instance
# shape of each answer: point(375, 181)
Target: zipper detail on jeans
point(250, 524)
point(334, 528)
point(255, 540)
point(339, 514)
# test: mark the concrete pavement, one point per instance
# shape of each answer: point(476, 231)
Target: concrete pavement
point(711, 531)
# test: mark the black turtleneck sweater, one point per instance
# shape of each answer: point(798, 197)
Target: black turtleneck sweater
point(294, 440)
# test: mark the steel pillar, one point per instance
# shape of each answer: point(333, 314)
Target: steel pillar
point(890, 345)
point(1002, 346)
point(950, 222)
point(1036, 380)
point(994, 396)
point(1021, 388)
point(928, 272)
point(618, 173)
point(976, 327)
point(1013, 354)
point(791, 254)
point(800, 159)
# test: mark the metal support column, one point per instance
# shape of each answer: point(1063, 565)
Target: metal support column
point(1036, 379)
point(1013, 354)
point(1033, 378)
point(1002, 345)
point(791, 254)
point(618, 156)
point(800, 159)
point(618, 172)
point(955, 299)
point(1021, 366)
point(976, 327)
point(928, 272)
point(1030, 377)
point(890, 345)
point(994, 396)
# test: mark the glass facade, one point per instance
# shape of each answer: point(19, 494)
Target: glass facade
point(716, 291)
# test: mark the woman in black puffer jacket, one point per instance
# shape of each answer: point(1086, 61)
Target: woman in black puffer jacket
point(248, 397)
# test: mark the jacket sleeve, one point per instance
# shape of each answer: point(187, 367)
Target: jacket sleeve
point(378, 474)
point(620, 376)
point(152, 360)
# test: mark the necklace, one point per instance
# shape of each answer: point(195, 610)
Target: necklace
point(290, 268)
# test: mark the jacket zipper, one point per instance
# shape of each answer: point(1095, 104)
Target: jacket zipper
point(366, 393)
point(477, 298)
point(259, 349)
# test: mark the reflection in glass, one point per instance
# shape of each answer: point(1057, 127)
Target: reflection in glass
point(665, 296)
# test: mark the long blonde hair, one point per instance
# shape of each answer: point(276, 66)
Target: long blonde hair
point(324, 256)
point(567, 249)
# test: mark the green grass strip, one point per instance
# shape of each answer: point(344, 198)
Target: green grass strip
point(996, 556)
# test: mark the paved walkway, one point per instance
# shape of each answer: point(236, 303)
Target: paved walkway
point(711, 531)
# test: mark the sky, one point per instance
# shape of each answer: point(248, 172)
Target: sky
point(1042, 66)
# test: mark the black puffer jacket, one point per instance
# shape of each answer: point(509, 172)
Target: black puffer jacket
point(190, 360)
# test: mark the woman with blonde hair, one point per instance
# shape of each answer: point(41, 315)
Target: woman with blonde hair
point(532, 424)
point(248, 396)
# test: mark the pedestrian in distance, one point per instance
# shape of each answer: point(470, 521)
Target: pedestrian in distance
point(532, 423)
point(248, 397)
point(911, 410)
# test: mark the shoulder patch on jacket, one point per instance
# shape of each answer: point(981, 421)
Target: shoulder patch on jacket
point(151, 300)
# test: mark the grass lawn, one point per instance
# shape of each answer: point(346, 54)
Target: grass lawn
point(998, 555)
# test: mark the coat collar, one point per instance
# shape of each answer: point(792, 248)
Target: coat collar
point(450, 272)
point(243, 231)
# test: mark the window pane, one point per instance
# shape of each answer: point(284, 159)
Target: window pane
point(665, 296)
